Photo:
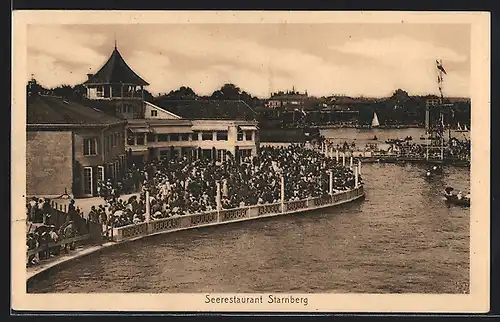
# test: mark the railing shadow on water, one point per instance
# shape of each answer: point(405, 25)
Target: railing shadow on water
point(212, 218)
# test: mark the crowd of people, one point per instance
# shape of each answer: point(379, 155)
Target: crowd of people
point(452, 149)
point(179, 186)
point(129, 183)
point(42, 231)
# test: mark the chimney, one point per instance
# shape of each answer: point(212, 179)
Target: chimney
point(89, 76)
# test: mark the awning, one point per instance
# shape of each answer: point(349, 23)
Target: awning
point(140, 130)
point(210, 128)
point(172, 129)
point(248, 128)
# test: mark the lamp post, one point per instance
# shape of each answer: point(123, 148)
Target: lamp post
point(218, 201)
point(330, 186)
point(282, 189)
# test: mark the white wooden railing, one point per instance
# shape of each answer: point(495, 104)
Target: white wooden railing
point(232, 215)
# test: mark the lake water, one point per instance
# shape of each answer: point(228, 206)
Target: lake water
point(402, 238)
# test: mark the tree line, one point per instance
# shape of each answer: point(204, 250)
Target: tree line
point(398, 109)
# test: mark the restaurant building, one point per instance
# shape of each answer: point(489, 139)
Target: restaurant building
point(164, 128)
point(194, 129)
point(70, 146)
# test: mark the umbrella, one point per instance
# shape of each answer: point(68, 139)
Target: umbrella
point(132, 199)
point(40, 228)
point(118, 213)
point(448, 189)
point(66, 224)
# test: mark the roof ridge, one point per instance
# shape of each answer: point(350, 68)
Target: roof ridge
point(116, 67)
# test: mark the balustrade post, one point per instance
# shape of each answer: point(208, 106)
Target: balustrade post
point(337, 155)
point(330, 186)
point(148, 207)
point(356, 182)
point(343, 159)
point(282, 193)
point(359, 166)
point(351, 162)
point(218, 201)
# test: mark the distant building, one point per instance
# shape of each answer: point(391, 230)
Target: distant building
point(70, 146)
point(287, 100)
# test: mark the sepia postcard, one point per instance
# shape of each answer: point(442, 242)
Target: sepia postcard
point(227, 161)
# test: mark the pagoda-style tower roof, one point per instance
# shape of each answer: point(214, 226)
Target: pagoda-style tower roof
point(116, 71)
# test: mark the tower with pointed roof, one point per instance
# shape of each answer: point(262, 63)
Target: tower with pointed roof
point(117, 82)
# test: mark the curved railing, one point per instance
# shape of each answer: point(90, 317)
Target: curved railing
point(232, 215)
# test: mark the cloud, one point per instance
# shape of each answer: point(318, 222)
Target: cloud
point(206, 60)
point(399, 48)
point(51, 49)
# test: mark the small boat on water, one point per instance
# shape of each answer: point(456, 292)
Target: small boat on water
point(375, 138)
point(458, 199)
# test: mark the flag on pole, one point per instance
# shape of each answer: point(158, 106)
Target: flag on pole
point(440, 67)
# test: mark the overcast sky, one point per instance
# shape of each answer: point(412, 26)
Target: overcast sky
point(324, 59)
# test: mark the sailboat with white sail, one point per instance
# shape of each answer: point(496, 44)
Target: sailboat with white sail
point(375, 122)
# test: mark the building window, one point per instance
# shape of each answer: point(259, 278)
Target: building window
point(87, 181)
point(194, 136)
point(222, 136)
point(248, 135)
point(184, 137)
point(90, 146)
point(100, 91)
point(110, 171)
point(117, 169)
point(245, 153)
point(163, 138)
point(100, 173)
point(206, 136)
point(163, 154)
point(151, 137)
point(174, 137)
point(154, 113)
point(130, 138)
point(140, 138)
point(221, 155)
point(108, 143)
point(240, 135)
